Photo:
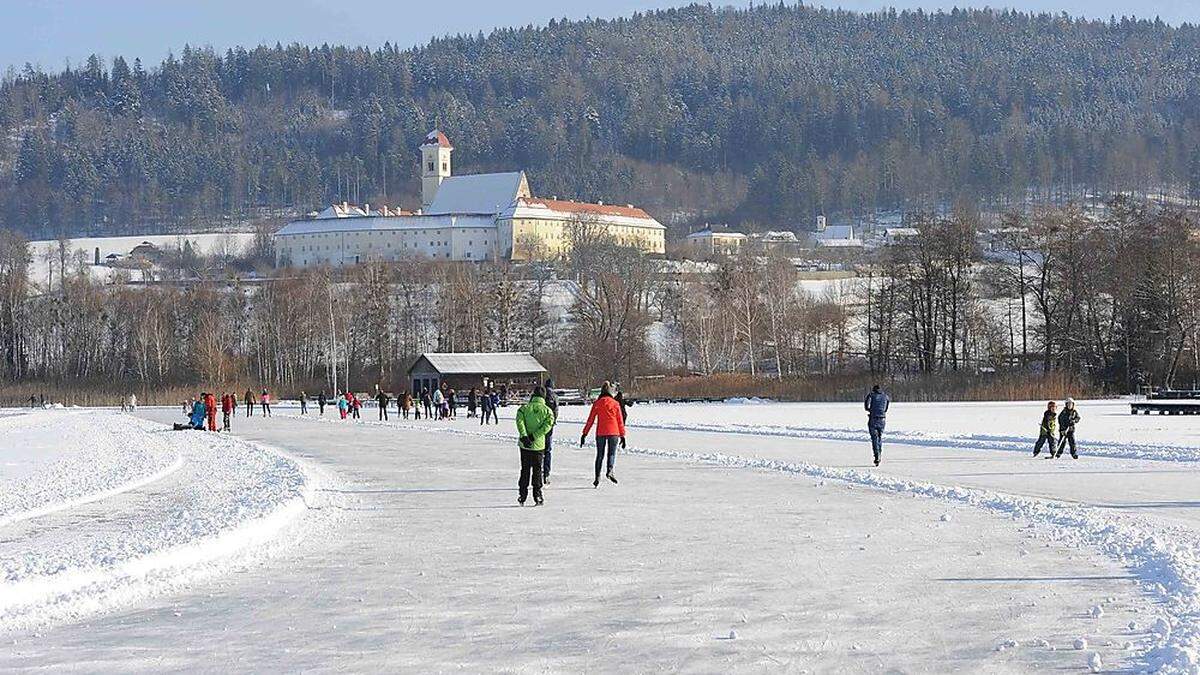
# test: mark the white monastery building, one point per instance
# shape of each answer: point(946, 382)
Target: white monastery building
point(478, 217)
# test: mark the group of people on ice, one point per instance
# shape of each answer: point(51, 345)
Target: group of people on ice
point(1057, 430)
point(1055, 433)
point(201, 411)
point(535, 437)
point(440, 403)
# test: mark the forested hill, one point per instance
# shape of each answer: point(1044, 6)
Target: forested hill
point(769, 115)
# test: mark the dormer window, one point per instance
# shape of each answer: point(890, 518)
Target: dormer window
point(430, 167)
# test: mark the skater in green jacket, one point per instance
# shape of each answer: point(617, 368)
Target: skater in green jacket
point(1048, 431)
point(534, 421)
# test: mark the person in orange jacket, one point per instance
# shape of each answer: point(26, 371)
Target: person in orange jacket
point(210, 409)
point(228, 405)
point(610, 430)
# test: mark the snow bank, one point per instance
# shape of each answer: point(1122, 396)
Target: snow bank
point(54, 460)
point(224, 500)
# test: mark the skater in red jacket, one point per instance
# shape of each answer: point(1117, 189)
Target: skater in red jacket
point(210, 409)
point(610, 430)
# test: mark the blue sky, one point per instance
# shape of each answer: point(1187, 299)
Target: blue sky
point(51, 32)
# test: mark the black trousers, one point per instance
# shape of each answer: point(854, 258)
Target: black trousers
point(606, 446)
point(383, 412)
point(1068, 437)
point(226, 421)
point(1043, 440)
point(531, 464)
point(546, 454)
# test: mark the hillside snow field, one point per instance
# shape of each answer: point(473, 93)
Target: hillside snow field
point(744, 537)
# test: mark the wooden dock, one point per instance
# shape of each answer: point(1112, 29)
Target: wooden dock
point(1168, 403)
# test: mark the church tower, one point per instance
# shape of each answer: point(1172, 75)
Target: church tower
point(435, 165)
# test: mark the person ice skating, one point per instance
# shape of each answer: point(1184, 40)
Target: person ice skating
point(405, 403)
point(427, 403)
point(228, 405)
point(355, 406)
point(266, 403)
point(383, 400)
point(303, 403)
point(485, 404)
point(610, 430)
point(534, 421)
point(210, 411)
point(32, 401)
point(472, 402)
point(321, 401)
point(552, 404)
point(876, 404)
point(249, 398)
point(343, 405)
point(1067, 419)
point(452, 402)
point(439, 400)
point(1047, 431)
point(619, 396)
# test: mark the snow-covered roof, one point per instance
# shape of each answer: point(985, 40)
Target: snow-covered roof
point(891, 232)
point(381, 223)
point(613, 214)
point(480, 363)
point(480, 194)
point(718, 234)
point(835, 232)
point(839, 243)
point(342, 210)
point(775, 235)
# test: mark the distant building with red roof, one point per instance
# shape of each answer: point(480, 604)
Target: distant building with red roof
point(468, 218)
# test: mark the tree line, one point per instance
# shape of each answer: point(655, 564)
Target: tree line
point(1112, 298)
point(762, 116)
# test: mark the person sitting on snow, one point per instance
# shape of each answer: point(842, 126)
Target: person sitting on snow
point(196, 419)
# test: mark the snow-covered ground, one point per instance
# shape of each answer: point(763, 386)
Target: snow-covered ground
point(742, 538)
point(44, 253)
point(99, 509)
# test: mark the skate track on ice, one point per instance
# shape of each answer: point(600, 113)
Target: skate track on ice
point(942, 559)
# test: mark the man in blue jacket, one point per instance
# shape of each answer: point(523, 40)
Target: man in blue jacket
point(876, 405)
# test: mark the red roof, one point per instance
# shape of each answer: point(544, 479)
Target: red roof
point(585, 207)
point(436, 137)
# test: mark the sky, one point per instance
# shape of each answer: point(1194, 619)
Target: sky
point(52, 33)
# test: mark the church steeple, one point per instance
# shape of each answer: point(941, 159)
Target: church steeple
point(435, 165)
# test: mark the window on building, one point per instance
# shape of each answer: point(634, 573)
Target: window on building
point(430, 167)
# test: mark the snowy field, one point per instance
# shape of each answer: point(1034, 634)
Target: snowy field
point(751, 537)
point(44, 253)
